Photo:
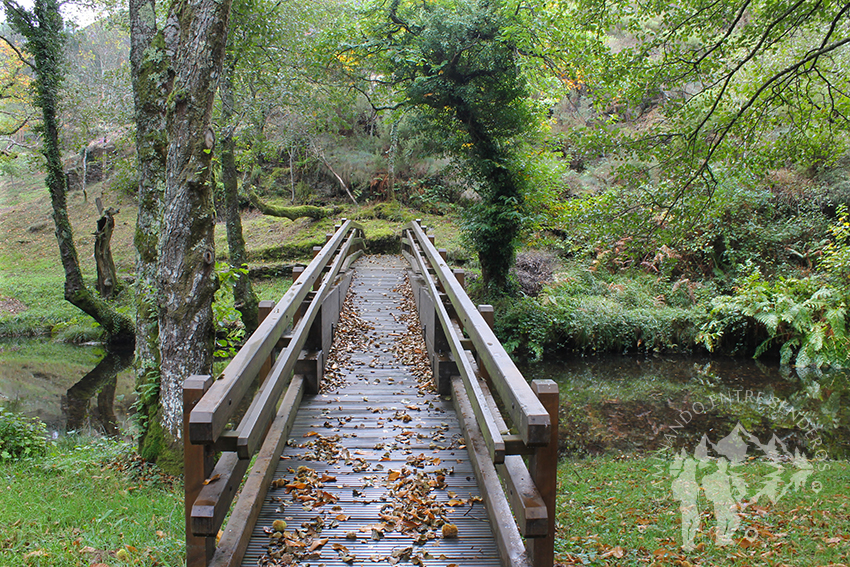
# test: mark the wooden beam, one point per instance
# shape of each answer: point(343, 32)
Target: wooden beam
point(527, 413)
point(490, 431)
point(237, 533)
point(213, 502)
point(253, 425)
point(511, 548)
point(543, 465)
point(212, 413)
point(526, 502)
point(197, 464)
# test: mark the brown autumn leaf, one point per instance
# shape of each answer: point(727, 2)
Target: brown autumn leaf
point(211, 479)
point(317, 543)
point(617, 552)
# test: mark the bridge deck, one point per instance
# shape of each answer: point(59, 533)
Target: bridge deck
point(375, 463)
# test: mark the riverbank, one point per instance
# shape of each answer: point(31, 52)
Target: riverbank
point(622, 511)
point(89, 501)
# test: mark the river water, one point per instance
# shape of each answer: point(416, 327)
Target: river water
point(643, 404)
point(69, 387)
point(608, 404)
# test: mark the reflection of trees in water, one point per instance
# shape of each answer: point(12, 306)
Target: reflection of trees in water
point(101, 380)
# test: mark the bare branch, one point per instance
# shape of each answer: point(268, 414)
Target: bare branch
point(17, 51)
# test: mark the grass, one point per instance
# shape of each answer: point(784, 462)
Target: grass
point(31, 272)
point(89, 501)
point(621, 511)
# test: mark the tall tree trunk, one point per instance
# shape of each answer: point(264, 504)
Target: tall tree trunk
point(43, 31)
point(244, 298)
point(195, 34)
point(150, 74)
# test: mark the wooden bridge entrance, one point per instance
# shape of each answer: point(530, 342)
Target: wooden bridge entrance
point(377, 438)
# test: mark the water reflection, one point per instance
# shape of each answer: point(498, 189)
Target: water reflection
point(67, 386)
point(100, 381)
point(622, 403)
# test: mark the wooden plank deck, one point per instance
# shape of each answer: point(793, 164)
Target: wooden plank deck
point(376, 463)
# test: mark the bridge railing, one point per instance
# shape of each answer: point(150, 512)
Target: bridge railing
point(287, 351)
point(470, 364)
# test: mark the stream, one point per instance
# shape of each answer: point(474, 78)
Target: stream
point(625, 404)
point(69, 387)
point(631, 404)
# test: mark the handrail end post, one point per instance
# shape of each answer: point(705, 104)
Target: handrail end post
point(197, 466)
point(543, 466)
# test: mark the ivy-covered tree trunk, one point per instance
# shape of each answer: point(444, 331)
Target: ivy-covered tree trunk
point(43, 30)
point(150, 76)
point(195, 34)
point(244, 298)
point(456, 61)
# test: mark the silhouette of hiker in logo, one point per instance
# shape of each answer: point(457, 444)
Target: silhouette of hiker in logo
point(718, 490)
point(686, 491)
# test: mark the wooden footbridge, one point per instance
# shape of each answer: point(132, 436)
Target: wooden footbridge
point(390, 427)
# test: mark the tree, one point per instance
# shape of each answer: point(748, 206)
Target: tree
point(245, 299)
point(456, 63)
point(149, 71)
point(739, 88)
point(43, 29)
point(175, 73)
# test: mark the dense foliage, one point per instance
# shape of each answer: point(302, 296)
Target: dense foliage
point(21, 437)
point(685, 163)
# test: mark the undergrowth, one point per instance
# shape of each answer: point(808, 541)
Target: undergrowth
point(583, 311)
point(89, 501)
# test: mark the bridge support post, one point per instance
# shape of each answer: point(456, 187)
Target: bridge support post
point(543, 466)
point(442, 364)
point(198, 461)
point(264, 309)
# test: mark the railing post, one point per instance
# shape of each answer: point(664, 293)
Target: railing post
point(198, 461)
point(460, 276)
point(489, 316)
point(296, 273)
point(543, 466)
point(318, 283)
point(263, 310)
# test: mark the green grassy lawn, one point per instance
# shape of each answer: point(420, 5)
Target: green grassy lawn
point(621, 511)
point(89, 502)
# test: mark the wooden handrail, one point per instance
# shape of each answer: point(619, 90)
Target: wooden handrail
point(477, 364)
point(491, 433)
point(209, 405)
point(527, 413)
point(214, 410)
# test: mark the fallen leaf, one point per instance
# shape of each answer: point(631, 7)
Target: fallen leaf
point(213, 478)
point(617, 552)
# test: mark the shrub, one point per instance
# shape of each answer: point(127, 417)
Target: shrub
point(21, 437)
point(805, 318)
